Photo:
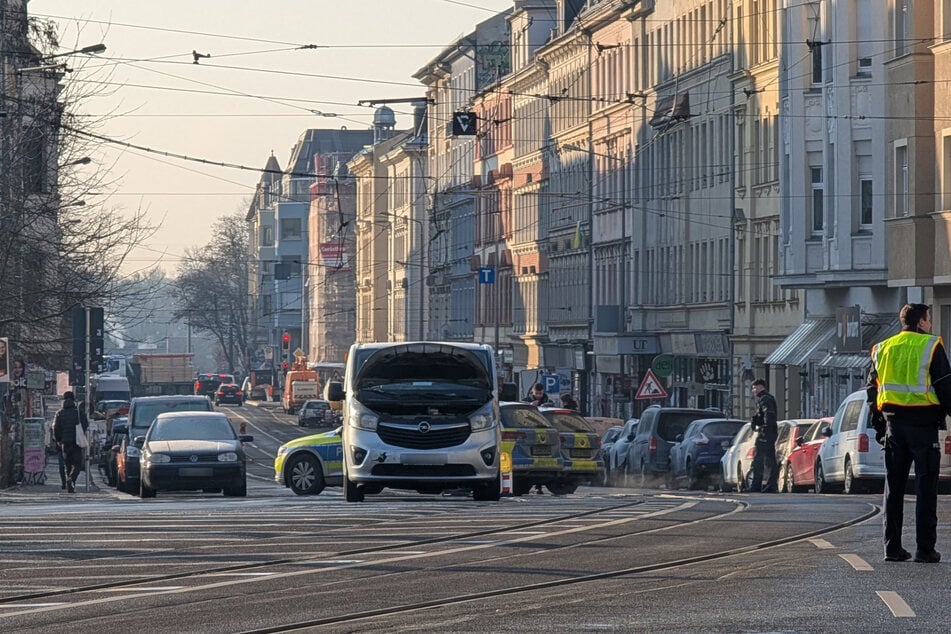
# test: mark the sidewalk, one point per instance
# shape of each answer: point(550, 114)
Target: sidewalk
point(51, 489)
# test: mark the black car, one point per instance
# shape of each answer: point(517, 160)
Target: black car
point(186, 451)
point(229, 393)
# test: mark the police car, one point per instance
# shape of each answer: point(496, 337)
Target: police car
point(306, 465)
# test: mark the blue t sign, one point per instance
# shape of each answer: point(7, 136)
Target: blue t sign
point(487, 275)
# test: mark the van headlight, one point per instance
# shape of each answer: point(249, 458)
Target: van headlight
point(483, 418)
point(363, 418)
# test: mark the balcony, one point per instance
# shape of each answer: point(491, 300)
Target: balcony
point(914, 242)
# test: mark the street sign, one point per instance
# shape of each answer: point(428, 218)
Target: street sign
point(650, 387)
point(552, 383)
point(464, 123)
point(663, 365)
point(298, 353)
point(486, 275)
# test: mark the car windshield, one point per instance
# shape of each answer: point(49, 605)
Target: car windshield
point(671, 424)
point(145, 413)
point(317, 405)
point(188, 428)
point(524, 417)
point(726, 428)
point(569, 422)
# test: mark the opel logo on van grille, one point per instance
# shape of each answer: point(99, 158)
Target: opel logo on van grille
point(424, 427)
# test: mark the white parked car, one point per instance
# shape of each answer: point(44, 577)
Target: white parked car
point(850, 460)
point(737, 462)
point(615, 462)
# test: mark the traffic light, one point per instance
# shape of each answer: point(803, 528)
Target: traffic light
point(286, 342)
point(285, 365)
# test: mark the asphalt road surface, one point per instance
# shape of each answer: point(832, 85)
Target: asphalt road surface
point(598, 560)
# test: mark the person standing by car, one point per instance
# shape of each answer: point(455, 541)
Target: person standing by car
point(568, 402)
point(909, 395)
point(764, 422)
point(69, 422)
point(537, 396)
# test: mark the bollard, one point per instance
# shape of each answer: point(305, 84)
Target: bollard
point(505, 465)
point(243, 428)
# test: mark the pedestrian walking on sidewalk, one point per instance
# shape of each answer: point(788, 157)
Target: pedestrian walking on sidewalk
point(69, 422)
point(909, 395)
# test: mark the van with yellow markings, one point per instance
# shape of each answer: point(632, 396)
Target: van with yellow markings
point(306, 465)
point(579, 446)
point(534, 445)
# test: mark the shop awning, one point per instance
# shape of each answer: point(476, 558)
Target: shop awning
point(846, 361)
point(872, 333)
point(798, 347)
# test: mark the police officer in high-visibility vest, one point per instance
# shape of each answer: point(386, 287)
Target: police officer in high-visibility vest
point(909, 395)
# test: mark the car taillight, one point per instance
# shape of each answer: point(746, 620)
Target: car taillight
point(237, 393)
point(752, 452)
point(514, 435)
point(863, 443)
point(652, 445)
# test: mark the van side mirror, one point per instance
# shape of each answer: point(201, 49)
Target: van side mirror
point(509, 392)
point(333, 391)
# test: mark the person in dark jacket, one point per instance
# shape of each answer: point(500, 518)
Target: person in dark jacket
point(764, 422)
point(537, 396)
point(70, 421)
point(908, 406)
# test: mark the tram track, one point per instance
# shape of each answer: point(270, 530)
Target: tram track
point(364, 615)
point(250, 566)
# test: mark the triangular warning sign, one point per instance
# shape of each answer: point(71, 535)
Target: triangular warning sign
point(650, 388)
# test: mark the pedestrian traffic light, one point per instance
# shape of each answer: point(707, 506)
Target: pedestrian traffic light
point(286, 342)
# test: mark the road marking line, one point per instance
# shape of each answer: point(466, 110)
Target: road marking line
point(818, 542)
point(137, 589)
point(242, 574)
point(857, 562)
point(31, 605)
point(895, 603)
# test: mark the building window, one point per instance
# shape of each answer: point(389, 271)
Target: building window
point(901, 181)
point(818, 213)
point(903, 16)
point(291, 229)
point(267, 236)
point(866, 208)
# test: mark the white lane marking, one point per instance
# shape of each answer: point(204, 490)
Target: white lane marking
point(140, 589)
point(857, 562)
point(818, 542)
point(241, 574)
point(390, 560)
point(30, 605)
point(895, 603)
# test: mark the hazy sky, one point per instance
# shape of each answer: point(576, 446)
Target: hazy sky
point(255, 95)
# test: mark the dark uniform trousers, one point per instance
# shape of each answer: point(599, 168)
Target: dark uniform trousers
point(906, 445)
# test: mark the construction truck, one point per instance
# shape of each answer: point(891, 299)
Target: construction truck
point(162, 374)
point(300, 384)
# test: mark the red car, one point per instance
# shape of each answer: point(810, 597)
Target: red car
point(797, 472)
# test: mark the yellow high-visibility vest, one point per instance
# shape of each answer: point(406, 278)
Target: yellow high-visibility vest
point(902, 363)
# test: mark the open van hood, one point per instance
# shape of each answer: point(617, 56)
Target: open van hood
point(424, 361)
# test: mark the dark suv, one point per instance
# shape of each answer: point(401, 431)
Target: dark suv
point(142, 411)
point(658, 429)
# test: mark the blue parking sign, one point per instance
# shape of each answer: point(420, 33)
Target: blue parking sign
point(552, 383)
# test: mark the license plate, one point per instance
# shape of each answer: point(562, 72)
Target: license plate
point(429, 459)
point(541, 451)
point(195, 472)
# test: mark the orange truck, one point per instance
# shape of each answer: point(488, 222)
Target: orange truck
point(300, 384)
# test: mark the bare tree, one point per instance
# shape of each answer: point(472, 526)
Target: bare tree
point(212, 288)
point(61, 243)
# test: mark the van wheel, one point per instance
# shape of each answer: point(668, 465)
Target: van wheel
point(851, 485)
point(351, 491)
point(488, 492)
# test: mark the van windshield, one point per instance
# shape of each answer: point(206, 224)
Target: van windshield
point(145, 413)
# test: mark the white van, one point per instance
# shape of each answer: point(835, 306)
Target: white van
point(422, 416)
point(852, 461)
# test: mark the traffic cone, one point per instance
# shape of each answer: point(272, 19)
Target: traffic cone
point(505, 466)
point(507, 483)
